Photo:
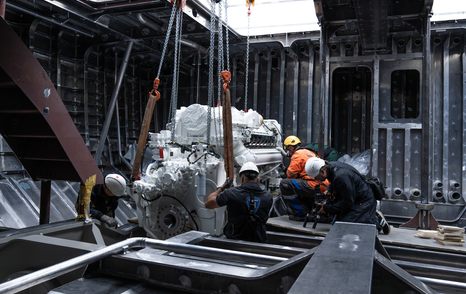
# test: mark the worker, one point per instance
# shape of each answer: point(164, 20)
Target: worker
point(104, 199)
point(298, 188)
point(350, 198)
point(248, 206)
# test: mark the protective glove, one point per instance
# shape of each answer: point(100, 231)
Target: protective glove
point(282, 151)
point(228, 183)
point(108, 221)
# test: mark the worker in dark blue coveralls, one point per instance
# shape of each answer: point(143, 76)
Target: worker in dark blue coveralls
point(350, 198)
point(104, 199)
point(248, 206)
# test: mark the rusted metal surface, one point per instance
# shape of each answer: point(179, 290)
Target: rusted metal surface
point(154, 96)
point(227, 125)
point(33, 119)
point(2, 8)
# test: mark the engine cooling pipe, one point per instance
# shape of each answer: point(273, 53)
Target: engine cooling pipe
point(415, 193)
point(62, 268)
point(454, 185)
point(454, 196)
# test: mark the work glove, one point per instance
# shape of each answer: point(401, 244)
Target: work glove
point(108, 221)
point(228, 183)
point(282, 151)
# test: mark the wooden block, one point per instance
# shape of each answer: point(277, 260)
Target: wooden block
point(426, 234)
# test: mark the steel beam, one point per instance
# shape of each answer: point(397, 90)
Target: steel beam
point(111, 107)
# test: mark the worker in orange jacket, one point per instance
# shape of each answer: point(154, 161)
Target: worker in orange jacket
point(298, 188)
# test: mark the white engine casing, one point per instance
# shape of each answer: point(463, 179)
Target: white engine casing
point(170, 196)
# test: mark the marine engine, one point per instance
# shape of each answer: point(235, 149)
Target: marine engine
point(188, 165)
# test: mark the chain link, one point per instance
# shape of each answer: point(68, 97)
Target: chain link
point(247, 66)
point(176, 67)
point(167, 37)
point(227, 41)
point(220, 59)
point(210, 89)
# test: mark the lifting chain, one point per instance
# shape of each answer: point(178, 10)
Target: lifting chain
point(227, 41)
point(220, 58)
point(247, 60)
point(176, 72)
point(154, 93)
point(210, 88)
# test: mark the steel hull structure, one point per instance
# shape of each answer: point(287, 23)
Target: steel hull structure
point(196, 262)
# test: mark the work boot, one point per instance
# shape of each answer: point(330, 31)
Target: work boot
point(384, 226)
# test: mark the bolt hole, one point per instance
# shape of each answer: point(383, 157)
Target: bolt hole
point(439, 195)
point(169, 220)
point(456, 196)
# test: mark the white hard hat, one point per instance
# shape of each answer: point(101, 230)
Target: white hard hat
point(313, 166)
point(249, 166)
point(115, 184)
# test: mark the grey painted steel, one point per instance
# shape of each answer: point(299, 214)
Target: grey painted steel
point(198, 76)
point(310, 96)
point(441, 282)
point(49, 273)
point(323, 89)
point(446, 117)
point(268, 87)
point(375, 119)
point(281, 98)
point(50, 20)
point(463, 169)
point(295, 93)
point(427, 116)
point(46, 274)
point(401, 274)
point(347, 250)
point(111, 107)
point(120, 152)
point(256, 79)
point(327, 105)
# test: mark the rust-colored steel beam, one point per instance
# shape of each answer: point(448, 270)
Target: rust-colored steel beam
point(154, 96)
point(227, 126)
point(2, 8)
point(33, 119)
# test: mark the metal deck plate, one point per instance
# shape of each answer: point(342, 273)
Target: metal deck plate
point(342, 263)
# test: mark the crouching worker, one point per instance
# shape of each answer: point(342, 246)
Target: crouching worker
point(248, 206)
point(299, 190)
point(350, 197)
point(104, 199)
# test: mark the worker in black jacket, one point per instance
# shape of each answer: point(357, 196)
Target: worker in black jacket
point(350, 196)
point(248, 206)
point(104, 199)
